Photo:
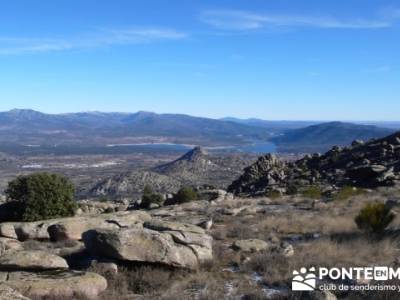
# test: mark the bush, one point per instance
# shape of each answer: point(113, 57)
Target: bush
point(185, 194)
point(313, 192)
point(374, 218)
point(347, 192)
point(273, 194)
point(292, 190)
point(150, 197)
point(41, 196)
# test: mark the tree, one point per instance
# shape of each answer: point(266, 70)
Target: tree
point(41, 196)
point(374, 218)
point(150, 197)
point(185, 194)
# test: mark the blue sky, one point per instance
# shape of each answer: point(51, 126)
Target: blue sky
point(271, 59)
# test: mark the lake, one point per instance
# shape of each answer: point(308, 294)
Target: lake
point(255, 147)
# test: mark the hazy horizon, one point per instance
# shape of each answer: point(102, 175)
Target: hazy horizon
point(249, 118)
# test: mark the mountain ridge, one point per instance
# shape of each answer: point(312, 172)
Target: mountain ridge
point(32, 127)
point(321, 137)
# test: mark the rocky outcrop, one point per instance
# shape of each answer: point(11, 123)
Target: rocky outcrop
point(31, 260)
point(168, 243)
point(194, 161)
point(69, 228)
point(62, 284)
point(131, 184)
point(91, 207)
point(72, 229)
point(368, 165)
point(195, 168)
point(267, 171)
point(8, 293)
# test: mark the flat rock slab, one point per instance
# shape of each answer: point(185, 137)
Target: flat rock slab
point(31, 260)
point(62, 284)
point(70, 228)
point(251, 245)
point(173, 244)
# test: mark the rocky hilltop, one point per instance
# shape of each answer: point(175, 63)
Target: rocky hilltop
point(194, 168)
point(194, 161)
point(368, 165)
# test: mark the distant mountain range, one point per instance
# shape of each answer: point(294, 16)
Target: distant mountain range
point(323, 136)
point(78, 132)
point(26, 126)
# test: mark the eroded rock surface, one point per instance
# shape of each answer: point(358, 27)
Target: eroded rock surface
point(68, 284)
point(69, 228)
point(173, 244)
point(31, 260)
point(8, 293)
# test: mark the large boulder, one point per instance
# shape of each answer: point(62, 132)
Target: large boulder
point(31, 260)
point(69, 228)
point(173, 244)
point(61, 284)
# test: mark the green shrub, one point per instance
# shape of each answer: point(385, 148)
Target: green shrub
point(292, 190)
point(185, 194)
point(313, 192)
point(41, 196)
point(374, 218)
point(150, 197)
point(273, 194)
point(347, 192)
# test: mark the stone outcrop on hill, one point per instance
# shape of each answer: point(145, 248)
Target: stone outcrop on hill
point(131, 184)
point(194, 161)
point(195, 168)
point(368, 165)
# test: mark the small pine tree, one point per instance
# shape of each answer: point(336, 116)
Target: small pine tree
point(185, 194)
point(41, 196)
point(150, 197)
point(374, 218)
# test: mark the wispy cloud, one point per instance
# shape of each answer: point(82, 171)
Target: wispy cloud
point(379, 69)
point(245, 20)
point(96, 39)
